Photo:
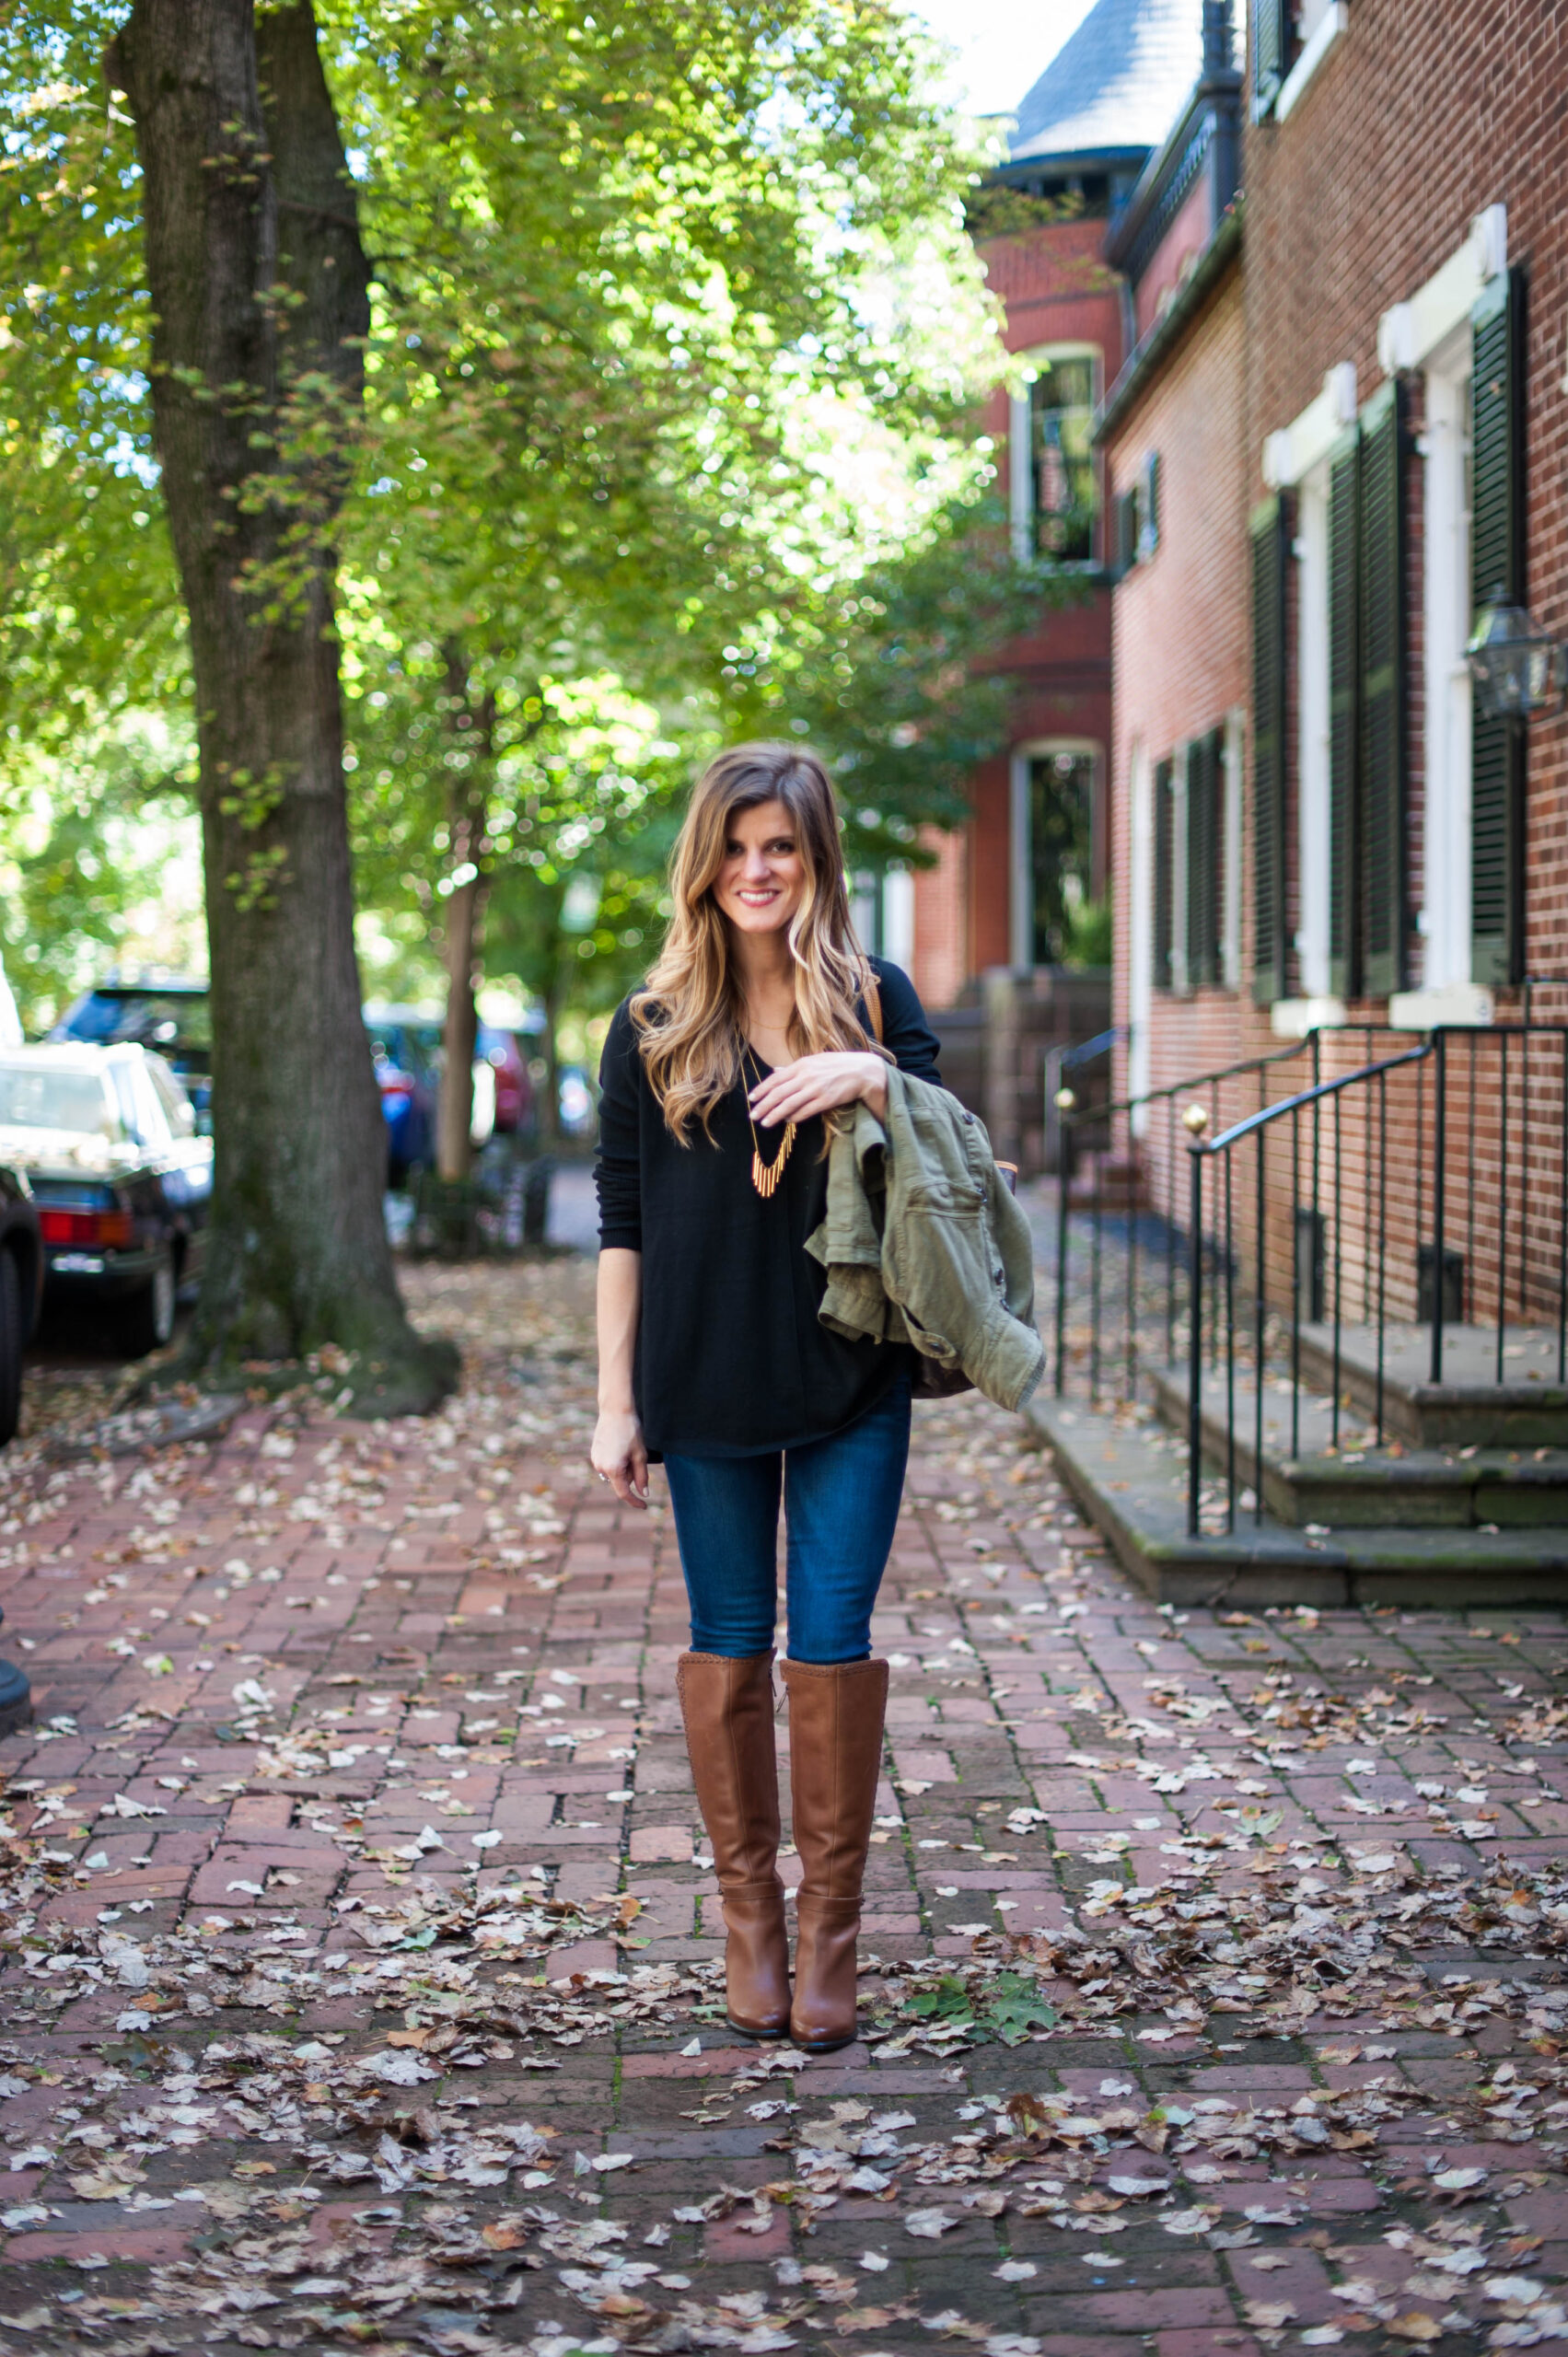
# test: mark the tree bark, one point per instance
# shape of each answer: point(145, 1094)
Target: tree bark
point(260, 291)
point(459, 1033)
point(473, 734)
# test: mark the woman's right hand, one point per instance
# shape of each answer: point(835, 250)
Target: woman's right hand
point(619, 1455)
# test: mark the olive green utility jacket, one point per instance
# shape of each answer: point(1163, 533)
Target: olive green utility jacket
point(922, 1243)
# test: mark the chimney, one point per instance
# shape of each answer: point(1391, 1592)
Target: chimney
point(1217, 38)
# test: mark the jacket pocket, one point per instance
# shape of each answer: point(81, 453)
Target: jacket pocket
point(937, 1265)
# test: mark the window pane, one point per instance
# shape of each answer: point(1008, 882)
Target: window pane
point(35, 1096)
point(1062, 789)
point(1062, 412)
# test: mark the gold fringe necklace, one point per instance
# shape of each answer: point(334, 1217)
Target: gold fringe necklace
point(766, 1176)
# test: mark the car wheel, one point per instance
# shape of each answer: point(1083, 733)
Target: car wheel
point(150, 1314)
point(11, 1334)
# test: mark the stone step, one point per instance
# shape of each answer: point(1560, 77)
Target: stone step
point(1129, 1474)
point(1307, 1479)
point(1528, 1409)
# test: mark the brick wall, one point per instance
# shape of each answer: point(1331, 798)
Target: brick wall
point(1412, 126)
point(1055, 288)
point(1182, 651)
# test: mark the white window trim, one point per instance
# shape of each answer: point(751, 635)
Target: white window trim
point(898, 916)
point(1412, 331)
point(1140, 932)
point(1021, 878)
point(1314, 847)
point(1230, 915)
point(1306, 442)
point(1320, 41)
point(1020, 476)
point(1446, 920)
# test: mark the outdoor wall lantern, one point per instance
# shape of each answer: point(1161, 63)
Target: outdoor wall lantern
point(1518, 668)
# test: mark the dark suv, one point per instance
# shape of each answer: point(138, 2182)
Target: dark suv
point(21, 1288)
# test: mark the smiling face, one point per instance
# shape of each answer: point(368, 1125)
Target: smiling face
point(762, 881)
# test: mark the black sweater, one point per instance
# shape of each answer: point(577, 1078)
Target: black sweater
point(730, 1358)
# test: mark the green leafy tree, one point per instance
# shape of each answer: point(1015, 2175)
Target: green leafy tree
point(460, 361)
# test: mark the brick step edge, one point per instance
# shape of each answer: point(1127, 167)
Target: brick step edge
point(1131, 1483)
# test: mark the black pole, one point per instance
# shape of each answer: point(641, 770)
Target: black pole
point(1195, 1339)
point(1439, 1190)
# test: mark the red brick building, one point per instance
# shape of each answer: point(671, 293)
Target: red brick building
point(1341, 438)
point(1025, 888)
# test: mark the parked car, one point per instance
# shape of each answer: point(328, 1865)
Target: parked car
point(576, 1101)
point(172, 1017)
point(107, 1140)
point(513, 1089)
point(405, 1043)
point(21, 1290)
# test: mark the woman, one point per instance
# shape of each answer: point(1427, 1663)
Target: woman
point(756, 1027)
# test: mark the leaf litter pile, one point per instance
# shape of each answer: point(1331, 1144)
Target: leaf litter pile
point(347, 2120)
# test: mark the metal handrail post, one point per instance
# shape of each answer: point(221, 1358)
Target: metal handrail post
point(1063, 1185)
point(1195, 1341)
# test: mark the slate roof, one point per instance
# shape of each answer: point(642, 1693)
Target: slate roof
point(1117, 85)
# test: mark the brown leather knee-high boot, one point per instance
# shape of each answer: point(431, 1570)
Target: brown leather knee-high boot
point(835, 1754)
point(728, 1706)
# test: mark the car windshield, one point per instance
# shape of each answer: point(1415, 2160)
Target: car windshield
point(162, 1019)
point(35, 1096)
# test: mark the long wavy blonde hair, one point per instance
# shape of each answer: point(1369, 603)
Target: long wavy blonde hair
point(690, 1014)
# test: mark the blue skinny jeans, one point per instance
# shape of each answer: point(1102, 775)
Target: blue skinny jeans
point(841, 1500)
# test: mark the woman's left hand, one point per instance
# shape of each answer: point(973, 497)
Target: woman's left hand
point(818, 1084)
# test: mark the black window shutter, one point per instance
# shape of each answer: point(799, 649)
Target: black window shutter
point(1205, 861)
point(1344, 712)
point(1200, 867)
point(1382, 733)
point(1270, 34)
point(1165, 881)
point(1124, 531)
point(1268, 752)
point(1497, 564)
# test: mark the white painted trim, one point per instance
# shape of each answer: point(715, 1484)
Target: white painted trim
point(1314, 846)
point(1230, 914)
point(1020, 488)
point(1445, 592)
point(1460, 1003)
point(1410, 332)
point(1140, 930)
point(1293, 1018)
point(898, 917)
point(1297, 448)
point(1020, 878)
point(1325, 33)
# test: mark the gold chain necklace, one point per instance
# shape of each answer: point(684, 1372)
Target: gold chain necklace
point(766, 1176)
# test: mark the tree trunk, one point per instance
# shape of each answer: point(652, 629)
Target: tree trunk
point(459, 1034)
point(473, 735)
point(259, 289)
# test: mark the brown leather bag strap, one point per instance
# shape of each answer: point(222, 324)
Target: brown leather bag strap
point(872, 997)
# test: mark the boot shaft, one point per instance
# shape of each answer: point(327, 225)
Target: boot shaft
point(727, 1708)
point(836, 1715)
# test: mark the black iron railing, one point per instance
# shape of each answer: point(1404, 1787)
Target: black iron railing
point(1418, 1198)
point(1088, 1141)
point(1372, 1081)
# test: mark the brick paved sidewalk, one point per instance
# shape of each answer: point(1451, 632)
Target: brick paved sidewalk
point(359, 1988)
